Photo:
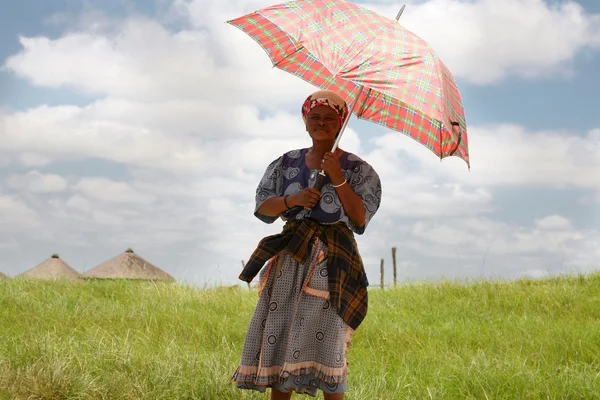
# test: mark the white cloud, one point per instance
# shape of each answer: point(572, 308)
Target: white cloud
point(16, 216)
point(107, 190)
point(184, 65)
point(187, 136)
point(106, 218)
point(32, 160)
point(510, 155)
point(548, 235)
point(485, 41)
point(179, 117)
point(66, 132)
point(443, 234)
point(455, 247)
point(553, 222)
point(36, 182)
point(72, 60)
point(78, 203)
point(421, 197)
point(584, 255)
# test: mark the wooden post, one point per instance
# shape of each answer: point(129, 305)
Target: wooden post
point(394, 263)
point(382, 273)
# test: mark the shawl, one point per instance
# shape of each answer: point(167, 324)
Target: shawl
point(347, 279)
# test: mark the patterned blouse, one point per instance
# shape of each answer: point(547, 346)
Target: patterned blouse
point(289, 174)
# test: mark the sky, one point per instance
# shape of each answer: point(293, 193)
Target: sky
point(148, 124)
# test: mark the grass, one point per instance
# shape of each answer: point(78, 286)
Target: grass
point(140, 340)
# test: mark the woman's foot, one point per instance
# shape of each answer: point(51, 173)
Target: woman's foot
point(277, 395)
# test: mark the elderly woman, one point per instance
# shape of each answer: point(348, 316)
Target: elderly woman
point(313, 288)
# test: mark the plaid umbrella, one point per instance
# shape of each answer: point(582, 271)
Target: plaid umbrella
point(386, 74)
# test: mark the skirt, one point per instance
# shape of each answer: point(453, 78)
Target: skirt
point(296, 339)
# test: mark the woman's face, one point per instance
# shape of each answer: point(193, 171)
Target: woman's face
point(322, 123)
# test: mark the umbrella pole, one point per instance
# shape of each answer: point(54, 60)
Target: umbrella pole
point(358, 92)
point(343, 128)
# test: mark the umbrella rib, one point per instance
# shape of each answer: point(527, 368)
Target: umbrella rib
point(297, 50)
point(361, 110)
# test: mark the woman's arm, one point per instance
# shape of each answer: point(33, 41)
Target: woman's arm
point(352, 203)
point(275, 206)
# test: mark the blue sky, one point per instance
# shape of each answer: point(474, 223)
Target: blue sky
point(58, 184)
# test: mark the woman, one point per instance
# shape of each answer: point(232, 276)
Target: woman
point(313, 290)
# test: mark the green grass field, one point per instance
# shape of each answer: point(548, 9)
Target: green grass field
point(140, 340)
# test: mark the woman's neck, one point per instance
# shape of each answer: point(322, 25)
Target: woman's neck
point(315, 154)
point(319, 149)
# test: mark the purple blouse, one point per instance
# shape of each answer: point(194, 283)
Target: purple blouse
point(289, 174)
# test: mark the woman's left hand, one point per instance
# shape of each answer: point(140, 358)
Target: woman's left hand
point(333, 169)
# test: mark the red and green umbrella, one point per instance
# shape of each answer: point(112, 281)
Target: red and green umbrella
point(387, 74)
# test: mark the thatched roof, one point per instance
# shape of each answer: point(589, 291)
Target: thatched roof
point(2, 276)
point(128, 266)
point(52, 268)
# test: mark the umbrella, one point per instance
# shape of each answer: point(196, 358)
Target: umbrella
point(387, 74)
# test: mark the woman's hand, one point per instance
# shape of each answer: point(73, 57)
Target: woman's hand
point(333, 169)
point(308, 197)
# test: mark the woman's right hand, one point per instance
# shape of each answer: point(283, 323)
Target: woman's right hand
point(307, 198)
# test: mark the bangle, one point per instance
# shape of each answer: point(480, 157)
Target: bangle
point(285, 202)
point(341, 184)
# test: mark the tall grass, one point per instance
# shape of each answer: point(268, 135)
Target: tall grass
point(141, 340)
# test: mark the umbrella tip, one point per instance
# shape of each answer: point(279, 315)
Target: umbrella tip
point(400, 12)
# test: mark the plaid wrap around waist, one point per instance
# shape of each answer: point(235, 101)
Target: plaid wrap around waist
point(346, 275)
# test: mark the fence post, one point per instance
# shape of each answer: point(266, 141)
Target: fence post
point(382, 273)
point(394, 262)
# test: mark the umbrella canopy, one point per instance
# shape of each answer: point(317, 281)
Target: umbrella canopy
point(52, 269)
point(128, 266)
point(390, 75)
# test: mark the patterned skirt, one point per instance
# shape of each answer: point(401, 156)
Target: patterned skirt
point(296, 340)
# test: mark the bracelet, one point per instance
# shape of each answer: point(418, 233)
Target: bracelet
point(285, 202)
point(341, 184)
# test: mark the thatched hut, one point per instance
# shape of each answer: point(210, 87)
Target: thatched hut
point(52, 269)
point(128, 266)
point(2, 276)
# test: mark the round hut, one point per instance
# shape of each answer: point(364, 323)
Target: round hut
point(128, 265)
point(52, 269)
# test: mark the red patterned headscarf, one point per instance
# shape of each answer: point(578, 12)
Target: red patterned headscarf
point(325, 98)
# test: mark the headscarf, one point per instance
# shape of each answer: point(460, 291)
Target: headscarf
point(325, 98)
